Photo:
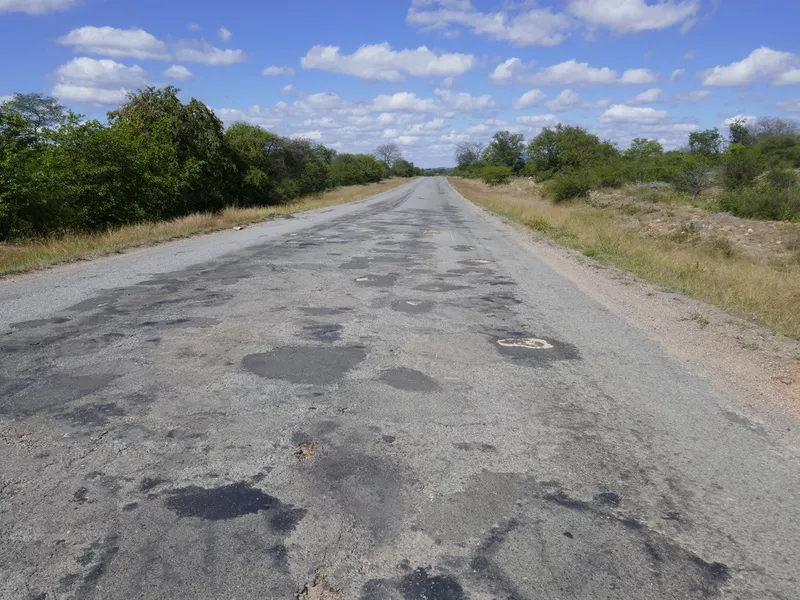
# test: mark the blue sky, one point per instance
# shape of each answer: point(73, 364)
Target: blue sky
point(425, 74)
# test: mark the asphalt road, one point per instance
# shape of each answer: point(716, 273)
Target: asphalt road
point(392, 394)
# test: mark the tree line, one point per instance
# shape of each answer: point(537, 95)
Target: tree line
point(154, 158)
point(754, 167)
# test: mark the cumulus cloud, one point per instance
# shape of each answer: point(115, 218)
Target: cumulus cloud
point(527, 27)
point(573, 72)
point(540, 121)
point(508, 71)
point(179, 72)
point(35, 7)
point(676, 74)
point(530, 98)
point(110, 41)
point(464, 102)
point(203, 52)
point(650, 96)
point(634, 16)
point(622, 113)
point(104, 81)
point(287, 89)
point(378, 62)
point(274, 71)
point(761, 65)
point(568, 100)
point(224, 34)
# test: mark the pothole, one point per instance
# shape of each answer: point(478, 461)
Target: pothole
point(306, 451)
point(528, 343)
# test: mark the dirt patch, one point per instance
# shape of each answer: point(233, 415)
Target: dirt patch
point(319, 590)
point(306, 451)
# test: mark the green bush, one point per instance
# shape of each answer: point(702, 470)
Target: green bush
point(570, 184)
point(609, 175)
point(741, 166)
point(495, 175)
point(763, 202)
point(781, 179)
point(693, 179)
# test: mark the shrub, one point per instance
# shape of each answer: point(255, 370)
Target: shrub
point(741, 166)
point(763, 202)
point(495, 175)
point(781, 179)
point(610, 175)
point(693, 180)
point(570, 184)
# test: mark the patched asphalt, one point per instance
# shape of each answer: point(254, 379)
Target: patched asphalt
point(478, 428)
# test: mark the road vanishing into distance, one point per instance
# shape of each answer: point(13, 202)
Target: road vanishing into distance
point(393, 399)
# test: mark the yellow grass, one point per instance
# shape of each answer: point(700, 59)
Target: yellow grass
point(37, 254)
point(767, 290)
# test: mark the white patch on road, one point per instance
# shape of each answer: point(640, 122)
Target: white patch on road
point(529, 343)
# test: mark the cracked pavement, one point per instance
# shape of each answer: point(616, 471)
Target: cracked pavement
point(392, 392)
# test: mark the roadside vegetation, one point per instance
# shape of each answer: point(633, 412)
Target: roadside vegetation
point(718, 220)
point(159, 168)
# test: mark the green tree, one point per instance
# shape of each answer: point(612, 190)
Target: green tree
point(707, 142)
point(566, 147)
point(39, 110)
point(739, 133)
point(506, 149)
point(643, 149)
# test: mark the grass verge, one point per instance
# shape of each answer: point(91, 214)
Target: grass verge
point(767, 290)
point(37, 254)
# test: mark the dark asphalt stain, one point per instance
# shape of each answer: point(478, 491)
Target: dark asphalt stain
point(389, 439)
point(323, 332)
point(303, 364)
point(421, 585)
point(569, 535)
point(608, 498)
point(462, 248)
point(322, 311)
point(106, 551)
point(377, 280)
point(356, 263)
point(56, 389)
point(409, 380)
point(130, 506)
point(148, 483)
point(81, 496)
point(414, 307)
point(440, 286)
point(475, 447)
point(199, 322)
point(93, 415)
point(233, 501)
point(39, 323)
point(738, 419)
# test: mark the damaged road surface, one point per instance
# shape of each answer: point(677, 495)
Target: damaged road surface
point(391, 399)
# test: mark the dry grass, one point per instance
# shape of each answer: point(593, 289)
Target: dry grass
point(37, 254)
point(767, 290)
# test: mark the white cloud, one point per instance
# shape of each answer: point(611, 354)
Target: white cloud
point(748, 120)
point(638, 76)
point(634, 16)
point(568, 100)
point(88, 95)
point(93, 81)
point(762, 64)
point(527, 27)
point(693, 96)
point(647, 97)
point(378, 62)
point(448, 83)
point(193, 27)
point(274, 71)
point(314, 136)
point(622, 113)
point(572, 72)
point(203, 52)
point(464, 102)
point(792, 105)
point(224, 34)
point(287, 89)
point(676, 73)
point(179, 72)
point(540, 121)
point(508, 71)
point(109, 41)
point(35, 7)
point(530, 98)
point(402, 101)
